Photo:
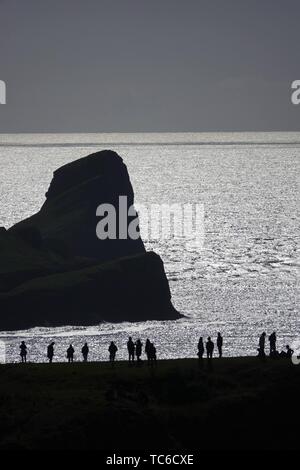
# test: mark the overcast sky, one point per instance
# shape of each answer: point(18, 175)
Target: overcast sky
point(149, 65)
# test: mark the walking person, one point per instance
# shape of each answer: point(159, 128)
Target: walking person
point(112, 352)
point(50, 352)
point(85, 352)
point(220, 344)
point(70, 353)
point(23, 352)
point(130, 348)
point(209, 348)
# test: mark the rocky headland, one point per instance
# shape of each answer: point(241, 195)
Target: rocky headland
point(54, 270)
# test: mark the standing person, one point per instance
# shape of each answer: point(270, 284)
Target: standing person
point(261, 345)
point(200, 348)
point(130, 348)
point(138, 350)
point(220, 344)
point(50, 352)
point(152, 354)
point(209, 348)
point(272, 341)
point(85, 352)
point(112, 351)
point(23, 351)
point(147, 349)
point(70, 353)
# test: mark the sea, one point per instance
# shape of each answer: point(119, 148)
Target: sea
point(245, 278)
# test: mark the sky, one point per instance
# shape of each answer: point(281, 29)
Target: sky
point(149, 65)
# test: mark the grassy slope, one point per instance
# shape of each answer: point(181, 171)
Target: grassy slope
point(241, 403)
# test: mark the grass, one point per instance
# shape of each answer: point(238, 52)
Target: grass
point(239, 403)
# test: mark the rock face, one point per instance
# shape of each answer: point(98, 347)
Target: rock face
point(132, 289)
point(55, 271)
point(69, 213)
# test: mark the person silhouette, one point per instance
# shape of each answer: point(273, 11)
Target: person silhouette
point(70, 353)
point(261, 345)
point(23, 351)
point(85, 352)
point(138, 350)
point(130, 348)
point(209, 348)
point(152, 354)
point(147, 349)
point(200, 348)
point(112, 352)
point(272, 340)
point(288, 353)
point(220, 344)
point(50, 352)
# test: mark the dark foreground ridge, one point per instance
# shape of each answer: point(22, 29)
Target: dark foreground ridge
point(55, 271)
point(235, 403)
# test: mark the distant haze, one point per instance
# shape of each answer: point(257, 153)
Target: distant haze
point(149, 66)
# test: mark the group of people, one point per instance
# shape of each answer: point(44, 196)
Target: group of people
point(135, 350)
point(210, 346)
point(288, 353)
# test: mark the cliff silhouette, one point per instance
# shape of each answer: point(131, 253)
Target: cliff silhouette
point(54, 270)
